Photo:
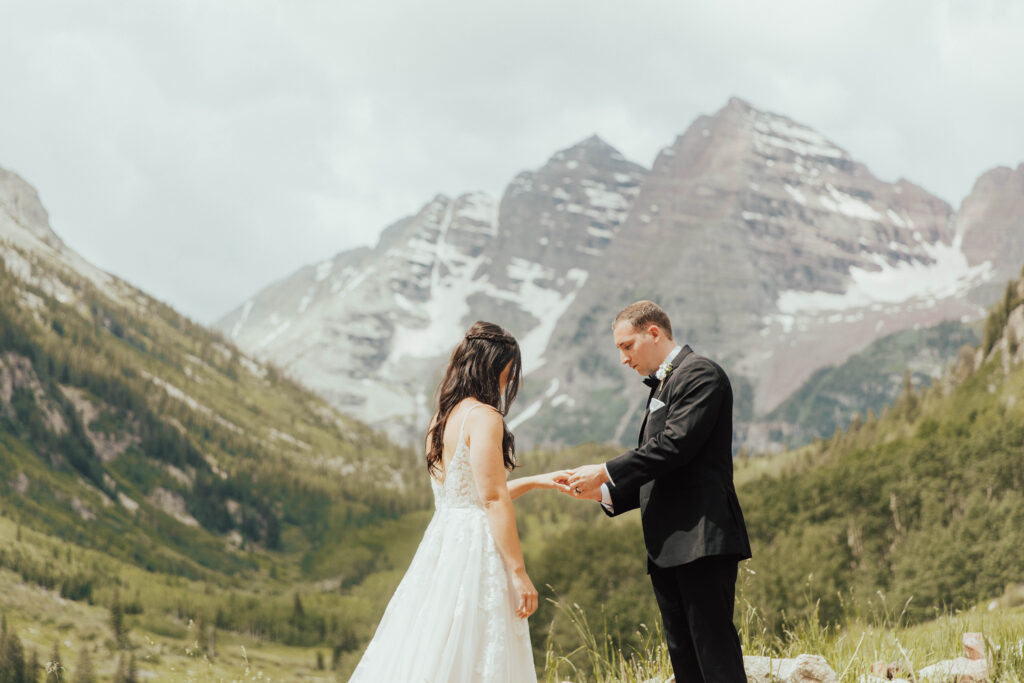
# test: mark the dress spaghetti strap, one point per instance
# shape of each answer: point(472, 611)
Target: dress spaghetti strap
point(464, 417)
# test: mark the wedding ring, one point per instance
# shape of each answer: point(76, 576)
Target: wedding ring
point(577, 489)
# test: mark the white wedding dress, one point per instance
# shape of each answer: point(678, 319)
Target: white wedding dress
point(452, 618)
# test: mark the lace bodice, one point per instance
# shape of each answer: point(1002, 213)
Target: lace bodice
point(458, 489)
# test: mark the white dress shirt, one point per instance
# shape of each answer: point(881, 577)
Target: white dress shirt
point(606, 496)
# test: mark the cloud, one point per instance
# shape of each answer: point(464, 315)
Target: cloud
point(203, 150)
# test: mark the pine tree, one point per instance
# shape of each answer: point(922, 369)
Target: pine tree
point(32, 668)
point(298, 613)
point(83, 669)
point(117, 620)
point(12, 657)
point(907, 401)
point(133, 672)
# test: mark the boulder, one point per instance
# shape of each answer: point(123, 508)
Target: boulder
point(974, 646)
point(801, 669)
point(961, 670)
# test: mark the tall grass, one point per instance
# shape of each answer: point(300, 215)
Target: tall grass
point(598, 659)
point(882, 634)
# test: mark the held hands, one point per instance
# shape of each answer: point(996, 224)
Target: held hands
point(558, 479)
point(585, 482)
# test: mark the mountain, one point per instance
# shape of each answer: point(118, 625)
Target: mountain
point(774, 251)
point(991, 224)
point(366, 328)
point(144, 455)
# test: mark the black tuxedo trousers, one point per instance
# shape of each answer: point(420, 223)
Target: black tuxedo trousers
point(696, 603)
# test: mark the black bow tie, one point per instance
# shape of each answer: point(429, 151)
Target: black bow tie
point(652, 380)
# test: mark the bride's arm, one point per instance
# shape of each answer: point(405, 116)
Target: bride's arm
point(549, 480)
point(485, 433)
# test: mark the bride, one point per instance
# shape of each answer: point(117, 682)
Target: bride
point(459, 613)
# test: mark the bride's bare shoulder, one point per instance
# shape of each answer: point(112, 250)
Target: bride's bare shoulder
point(483, 420)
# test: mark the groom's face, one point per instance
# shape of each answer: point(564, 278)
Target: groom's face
point(637, 347)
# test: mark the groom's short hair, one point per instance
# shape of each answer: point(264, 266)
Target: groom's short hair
point(643, 313)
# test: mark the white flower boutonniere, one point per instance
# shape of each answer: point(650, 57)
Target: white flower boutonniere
point(664, 370)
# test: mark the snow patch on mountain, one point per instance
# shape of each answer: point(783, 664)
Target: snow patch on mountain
point(548, 306)
point(772, 133)
point(848, 205)
point(323, 269)
point(246, 310)
point(534, 408)
point(948, 275)
point(274, 333)
point(536, 290)
point(440, 318)
point(530, 411)
point(601, 198)
point(481, 208)
point(796, 194)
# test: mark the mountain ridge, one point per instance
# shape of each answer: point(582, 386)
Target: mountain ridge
point(772, 248)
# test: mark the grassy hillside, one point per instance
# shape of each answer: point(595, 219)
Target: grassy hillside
point(923, 504)
point(146, 462)
point(869, 380)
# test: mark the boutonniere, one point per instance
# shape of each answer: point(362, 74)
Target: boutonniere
point(664, 370)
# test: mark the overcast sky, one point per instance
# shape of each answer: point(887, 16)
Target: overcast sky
point(202, 150)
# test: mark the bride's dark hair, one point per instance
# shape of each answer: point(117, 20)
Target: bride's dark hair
point(474, 371)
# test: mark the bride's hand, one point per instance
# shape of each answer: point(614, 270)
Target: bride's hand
point(555, 480)
point(526, 593)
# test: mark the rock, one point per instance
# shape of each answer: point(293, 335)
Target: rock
point(801, 669)
point(20, 483)
point(889, 671)
point(974, 646)
point(871, 678)
point(173, 504)
point(128, 504)
point(83, 510)
point(961, 669)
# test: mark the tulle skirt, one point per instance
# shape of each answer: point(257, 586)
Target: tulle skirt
point(452, 618)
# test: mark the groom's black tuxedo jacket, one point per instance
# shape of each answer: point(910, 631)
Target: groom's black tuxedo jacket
point(680, 473)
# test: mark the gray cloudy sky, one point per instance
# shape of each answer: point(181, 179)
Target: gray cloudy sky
point(202, 149)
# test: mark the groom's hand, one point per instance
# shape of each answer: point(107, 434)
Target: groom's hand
point(585, 482)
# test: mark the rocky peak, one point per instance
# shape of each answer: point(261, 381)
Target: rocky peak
point(21, 203)
point(593, 150)
point(745, 196)
point(33, 251)
point(991, 220)
point(568, 211)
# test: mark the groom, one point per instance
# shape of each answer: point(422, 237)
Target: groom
point(680, 476)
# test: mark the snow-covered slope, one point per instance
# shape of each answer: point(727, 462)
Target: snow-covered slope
point(366, 328)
